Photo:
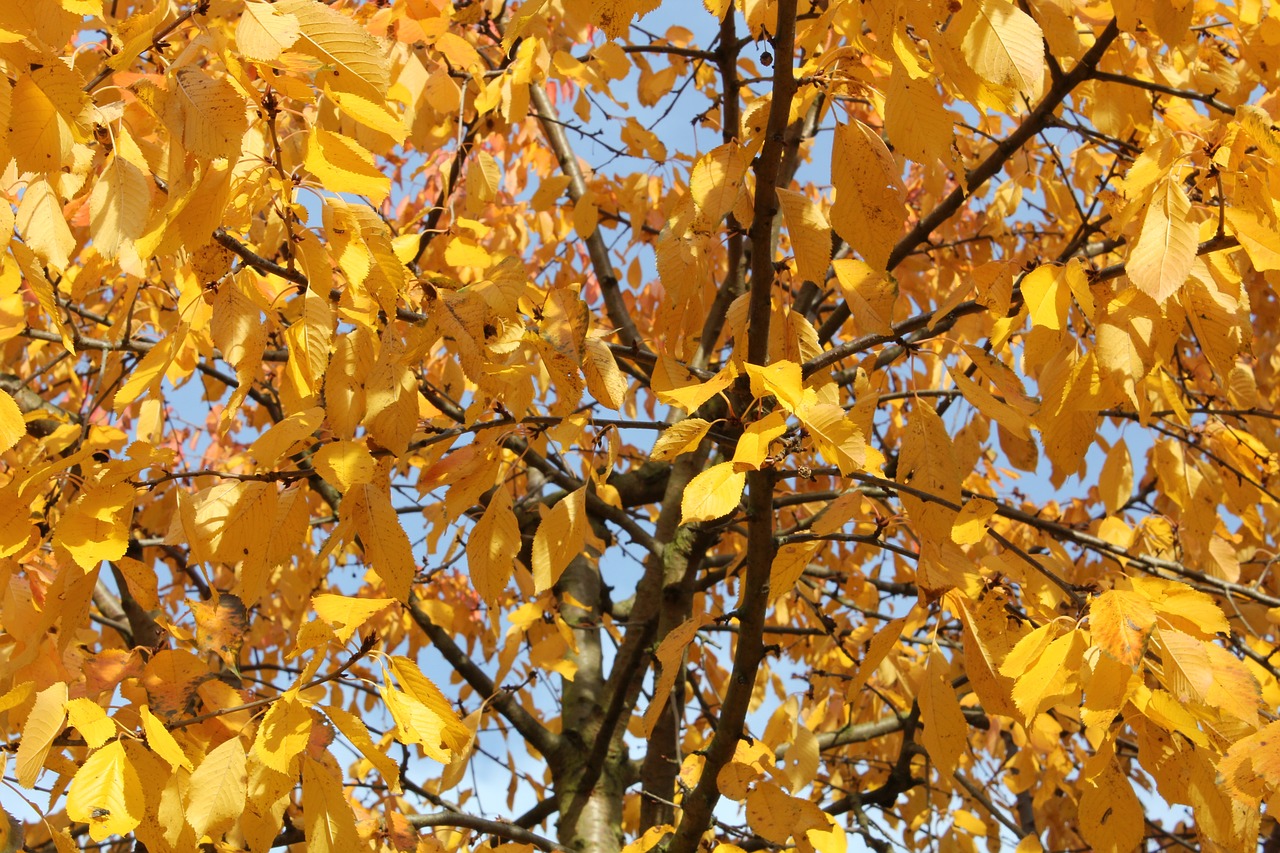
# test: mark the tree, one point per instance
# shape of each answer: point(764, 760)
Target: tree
point(774, 425)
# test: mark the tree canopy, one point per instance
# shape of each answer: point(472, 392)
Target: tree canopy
point(584, 424)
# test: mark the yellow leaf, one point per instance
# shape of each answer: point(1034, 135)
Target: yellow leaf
point(1235, 692)
point(1108, 806)
point(670, 653)
point(329, 822)
point(283, 734)
point(586, 215)
point(1161, 259)
point(716, 181)
point(810, 235)
point(44, 723)
point(492, 547)
point(970, 525)
point(445, 735)
point(915, 118)
point(106, 793)
point(1115, 483)
point(283, 437)
point(91, 721)
point(16, 695)
point(310, 335)
point(868, 211)
point(1260, 240)
point(1047, 299)
point(354, 730)
point(346, 614)
point(836, 437)
point(96, 526)
point(356, 61)
point(775, 815)
point(561, 536)
point(219, 788)
point(977, 395)
point(832, 839)
point(378, 117)
point(1051, 678)
point(782, 379)
point(712, 494)
point(788, 565)
point(213, 114)
point(681, 437)
point(345, 464)
point(264, 31)
point(342, 165)
point(870, 293)
point(386, 546)
point(1004, 46)
point(605, 381)
point(1252, 762)
point(42, 225)
point(483, 175)
point(675, 385)
point(945, 729)
point(118, 206)
point(47, 109)
point(753, 445)
point(12, 425)
point(1120, 623)
point(1188, 672)
point(162, 741)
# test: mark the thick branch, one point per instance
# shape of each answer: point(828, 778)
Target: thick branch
point(700, 803)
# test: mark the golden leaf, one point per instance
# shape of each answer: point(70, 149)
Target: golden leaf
point(1161, 259)
point(945, 729)
point(712, 494)
point(560, 538)
point(345, 464)
point(1120, 623)
point(263, 31)
point(330, 824)
point(46, 117)
point(343, 165)
point(346, 614)
point(12, 425)
point(1107, 809)
point(283, 734)
point(1005, 47)
point(386, 546)
point(754, 443)
point(106, 793)
point(681, 437)
point(91, 721)
point(283, 437)
point(868, 211)
point(788, 565)
point(44, 723)
point(492, 547)
point(96, 527)
point(213, 117)
point(219, 788)
point(356, 61)
point(118, 206)
point(669, 653)
point(162, 741)
point(354, 730)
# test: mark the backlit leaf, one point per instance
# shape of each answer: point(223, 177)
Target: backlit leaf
point(713, 493)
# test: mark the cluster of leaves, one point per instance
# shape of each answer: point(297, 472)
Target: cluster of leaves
point(901, 466)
